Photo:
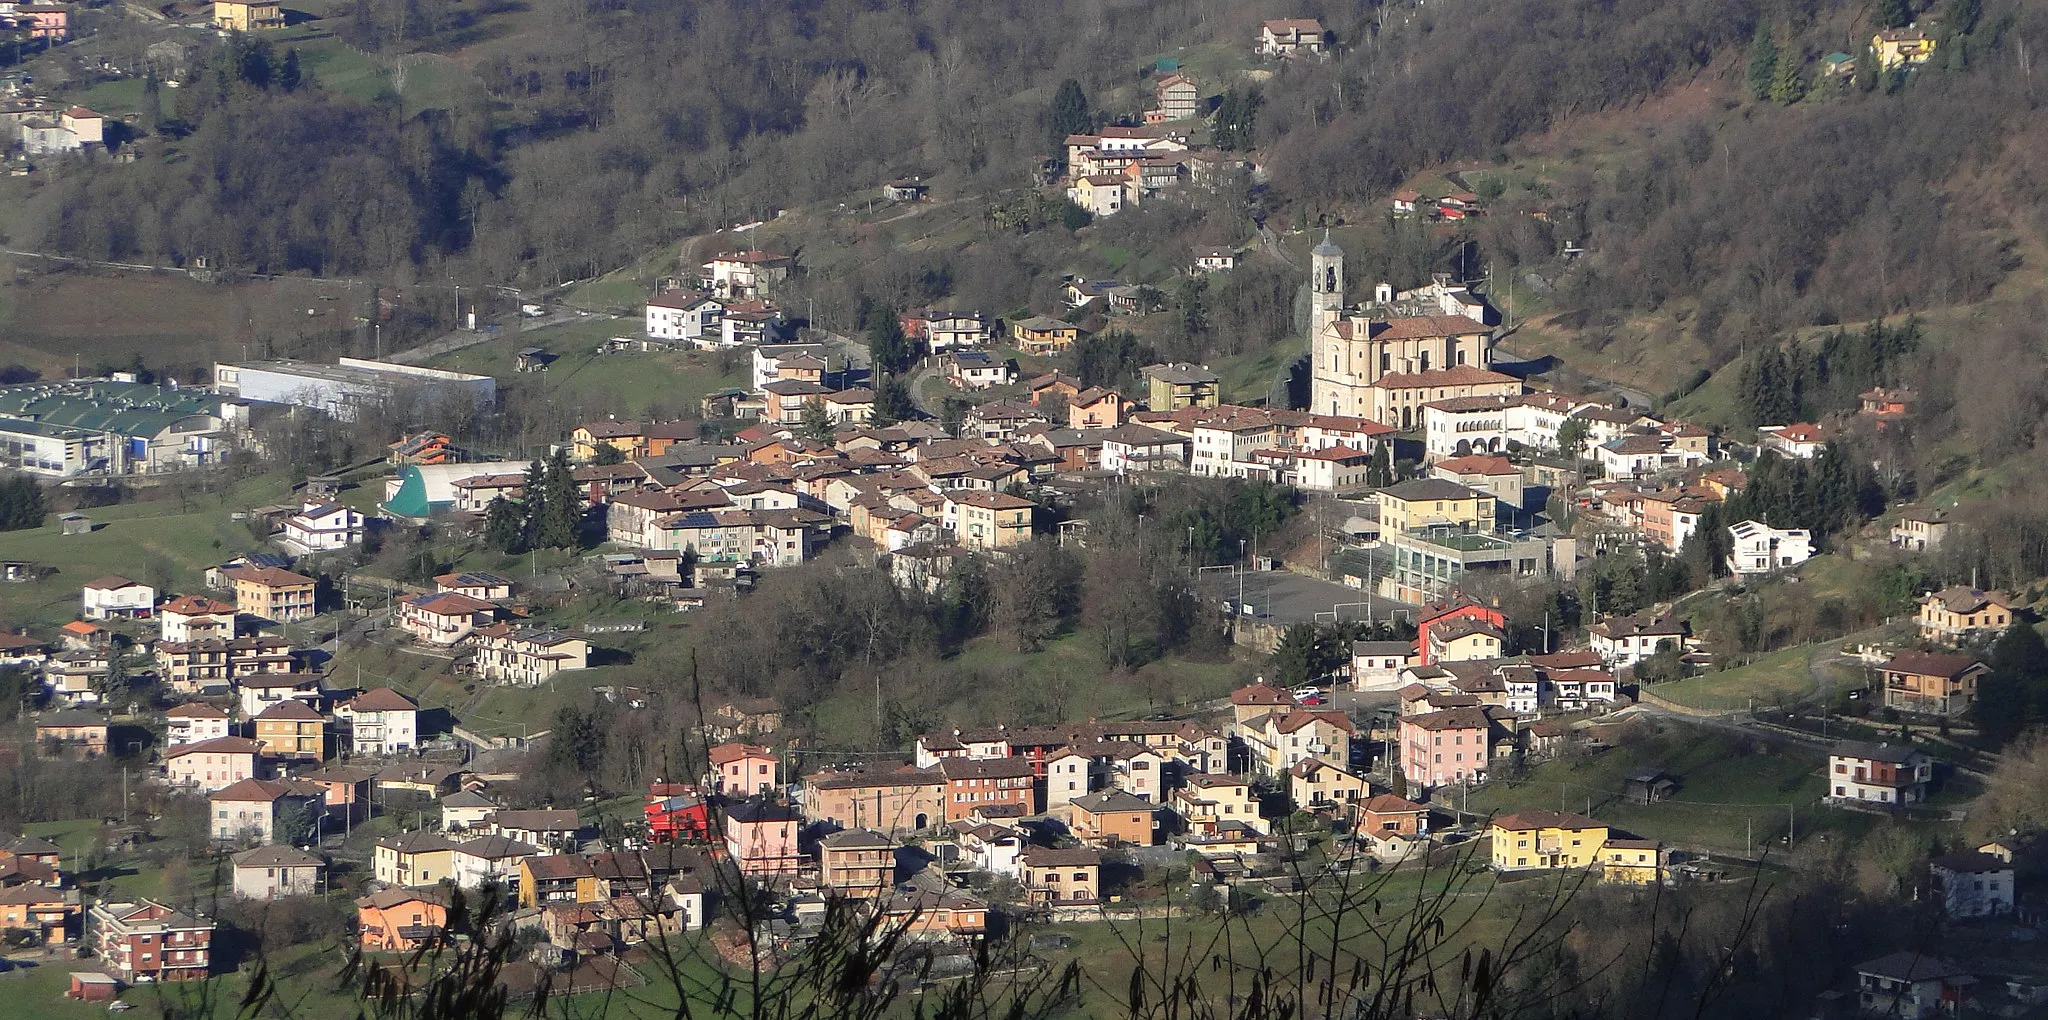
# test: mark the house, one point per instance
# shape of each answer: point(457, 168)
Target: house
point(413, 859)
point(972, 784)
point(1757, 549)
point(526, 656)
point(423, 448)
point(1902, 47)
point(1280, 740)
point(1432, 503)
point(1387, 815)
point(45, 908)
point(1496, 475)
point(1208, 804)
point(1921, 528)
point(1291, 37)
point(680, 813)
point(976, 370)
point(345, 788)
point(71, 733)
point(1452, 745)
point(194, 722)
point(923, 913)
point(908, 189)
point(1114, 817)
point(1213, 259)
point(988, 520)
point(117, 598)
point(1913, 985)
point(1625, 641)
point(443, 618)
point(476, 584)
point(489, 860)
point(247, 15)
point(1882, 403)
point(556, 878)
point(1800, 441)
point(1179, 98)
point(1463, 639)
point(80, 636)
point(1973, 884)
point(291, 730)
point(23, 651)
point(260, 811)
point(267, 872)
point(742, 770)
point(1629, 861)
point(1042, 336)
point(744, 274)
point(1957, 614)
point(322, 527)
point(1377, 665)
point(1878, 774)
point(210, 765)
point(145, 940)
point(892, 802)
point(383, 722)
point(466, 809)
point(681, 316)
point(1062, 877)
point(257, 692)
point(1402, 202)
point(400, 920)
point(1531, 840)
point(857, 863)
point(1129, 449)
point(272, 593)
point(1448, 613)
point(1095, 408)
point(1931, 683)
point(1318, 785)
point(760, 839)
point(1099, 194)
point(196, 618)
point(546, 828)
point(1173, 387)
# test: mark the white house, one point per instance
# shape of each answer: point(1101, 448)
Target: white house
point(382, 722)
point(1377, 665)
point(268, 872)
point(322, 527)
point(1760, 549)
point(444, 618)
point(1878, 774)
point(974, 370)
point(259, 692)
point(114, 597)
point(1800, 440)
point(1289, 37)
point(1624, 641)
point(194, 722)
point(678, 315)
point(742, 274)
point(260, 810)
point(1215, 259)
point(1973, 884)
point(488, 859)
point(196, 618)
point(1129, 448)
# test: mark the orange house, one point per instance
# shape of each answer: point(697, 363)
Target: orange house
point(399, 920)
point(980, 782)
point(1114, 816)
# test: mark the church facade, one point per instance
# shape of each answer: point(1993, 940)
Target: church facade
point(1384, 367)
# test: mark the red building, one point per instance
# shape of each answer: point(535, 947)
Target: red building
point(977, 783)
point(152, 942)
point(1454, 608)
point(677, 812)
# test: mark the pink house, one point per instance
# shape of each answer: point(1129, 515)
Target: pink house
point(761, 838)
point(213, 764)
point(742, 770)
point(46, 21)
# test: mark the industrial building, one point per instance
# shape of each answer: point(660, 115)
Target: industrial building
point(113, 426)
point(344, 389)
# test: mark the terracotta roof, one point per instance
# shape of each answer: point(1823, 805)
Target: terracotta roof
point(290, 708)
point(1930, 664)
point(1387, 804)
point(269, 577)
point(1525, 820)
point(278, 857)
point(194, 710)
point(197, 605)
point(1047, 857)
point(218, 745)
point(383, 699)
point(1477, 466)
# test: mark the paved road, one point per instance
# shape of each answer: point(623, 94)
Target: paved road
point(1284, 597)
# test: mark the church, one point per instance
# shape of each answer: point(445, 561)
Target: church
point(1384, 362)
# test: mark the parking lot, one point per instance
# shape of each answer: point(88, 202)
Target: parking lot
point(1282, 597)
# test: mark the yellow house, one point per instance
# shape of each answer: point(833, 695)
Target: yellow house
point(413, 858)
point(290, 729)
point(1177, 386)
point(1959, 613)
point(1535, 840)
point(1896, 47)
point(247, 15)
point(560, 878)
point(989, 520)
point(1434, 502)
point(1041, 335)
point(1633, 861)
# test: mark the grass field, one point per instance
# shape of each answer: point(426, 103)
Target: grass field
point(1781, 676)
point(1726, 785)
point(629, 383)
